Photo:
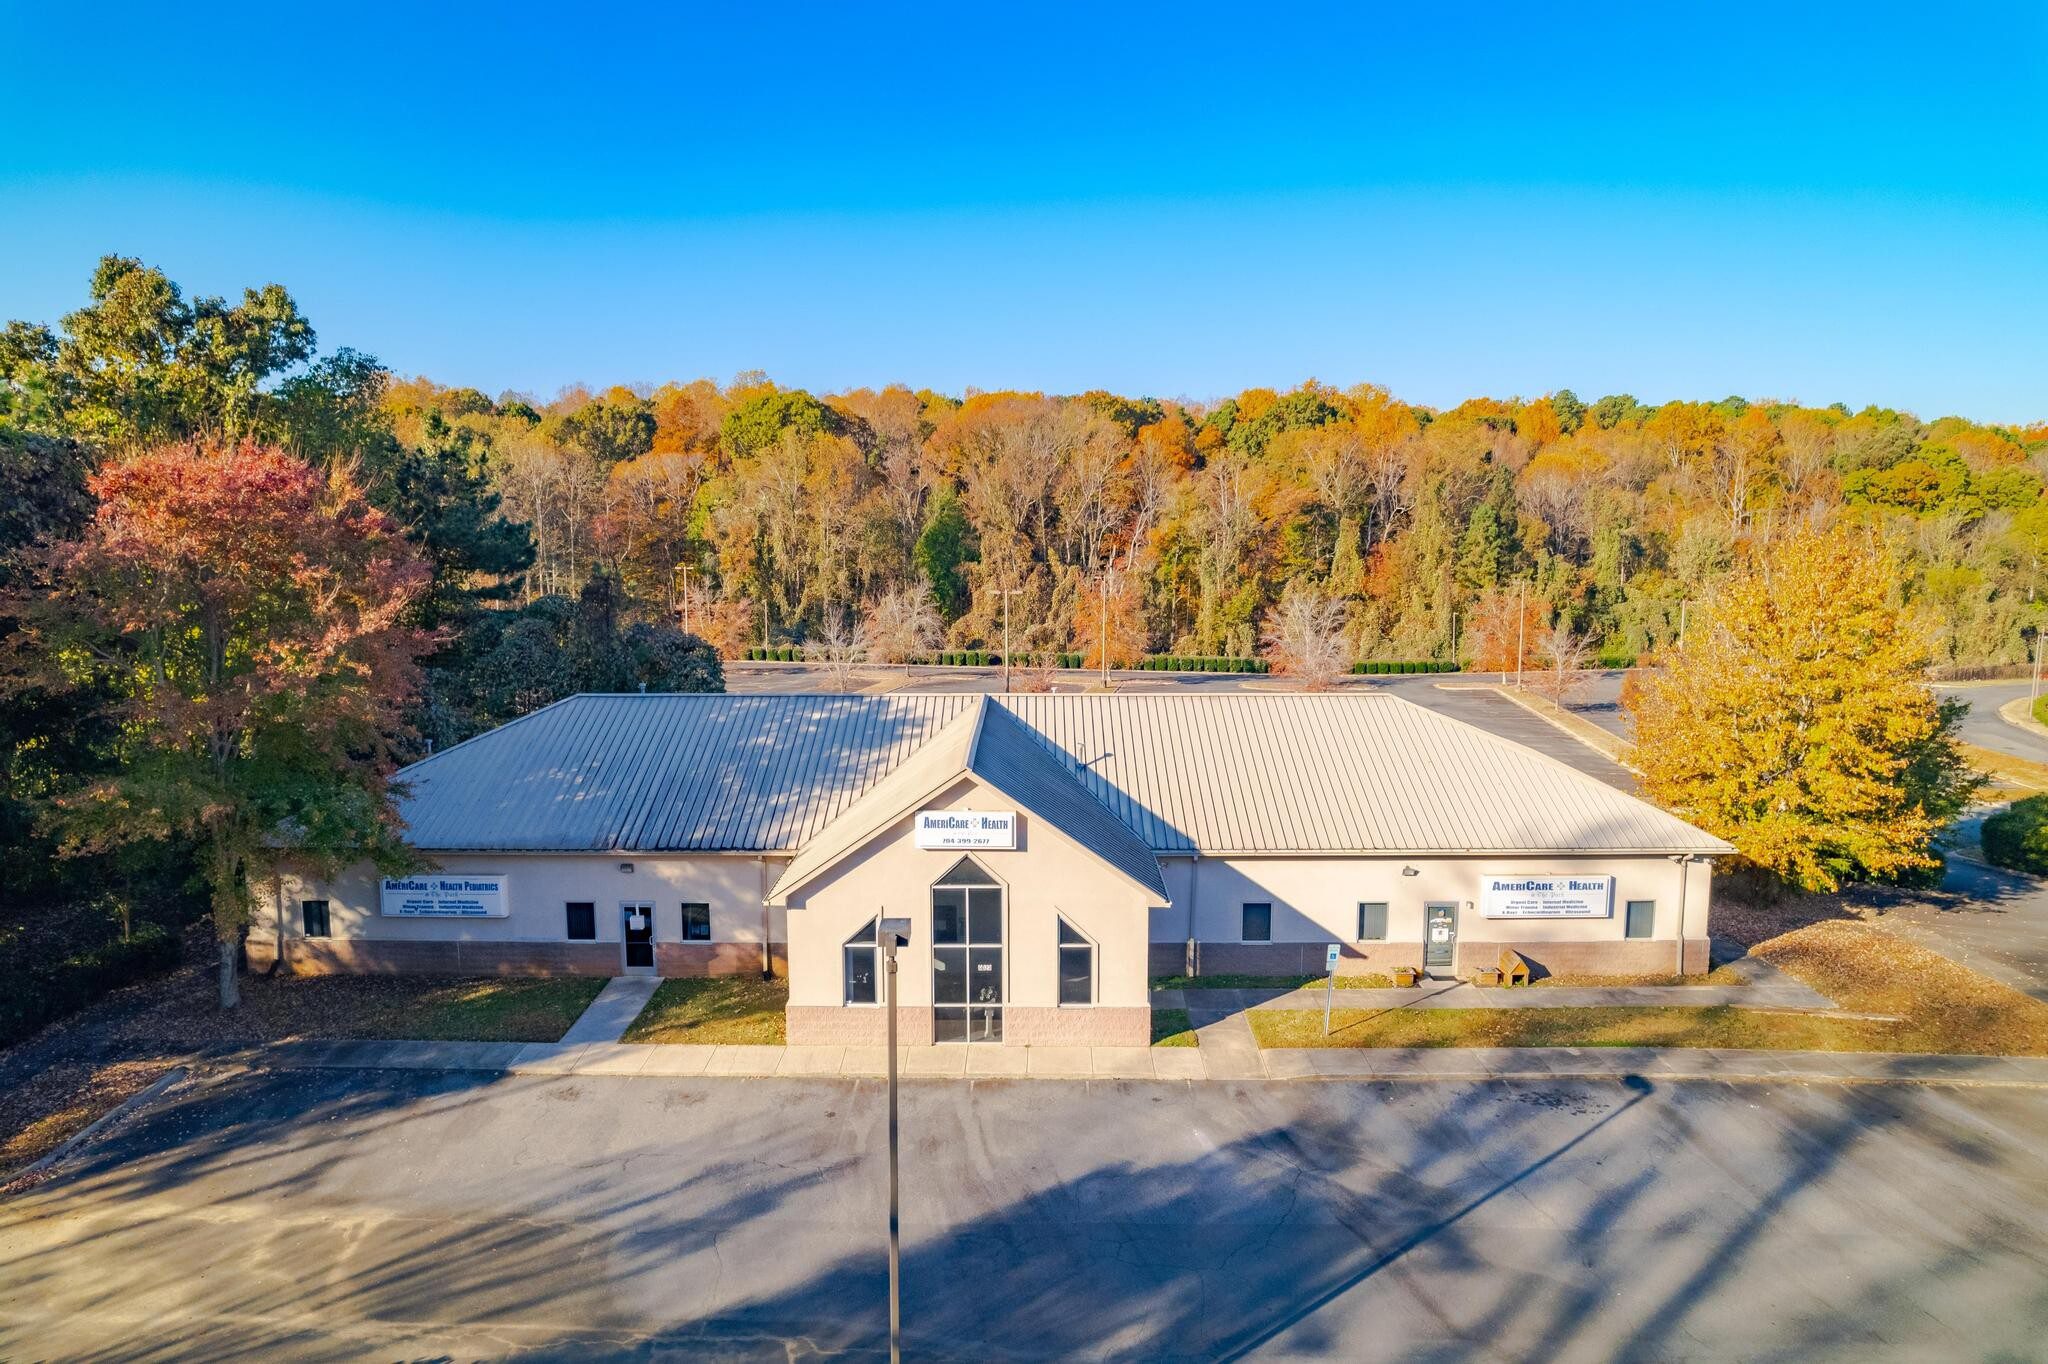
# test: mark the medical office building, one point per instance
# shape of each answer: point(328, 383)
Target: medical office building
point(1052, 853)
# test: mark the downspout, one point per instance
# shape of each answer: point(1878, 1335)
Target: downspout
point(277, 962)
point(1684, 863)
point(767, 918)
point(1193, 962)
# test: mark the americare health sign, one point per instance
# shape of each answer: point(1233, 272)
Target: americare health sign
point(966, 828)
point(1547, 897)
point(474, 895)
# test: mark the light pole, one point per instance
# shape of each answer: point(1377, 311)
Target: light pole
point(1007, 593)
point(683, 572)
point(889, 935)
point(1104, 632)
point(1521, 629)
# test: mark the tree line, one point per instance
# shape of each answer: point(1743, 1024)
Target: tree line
point(241, 580)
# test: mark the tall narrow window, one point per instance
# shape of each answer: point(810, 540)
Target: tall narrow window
point(315, 914)
point(696, 923)
point(860, 965)
point(1077, 966)
point(581, 923)
point(1642, 919)
point(1258, 923)
point(1372, 921)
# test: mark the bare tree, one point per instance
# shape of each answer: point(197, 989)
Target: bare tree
point(838, 648)
point(1305, 637)
point(901, 625)
point(1565, 654)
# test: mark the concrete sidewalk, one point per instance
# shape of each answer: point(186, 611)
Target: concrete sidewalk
point(1763, 986)
point(613, 1011)
point(1181, 1064)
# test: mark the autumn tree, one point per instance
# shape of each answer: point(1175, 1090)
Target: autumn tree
point(1109, 613)
point(251, 616)
point(1502, 632)
point(1796, 721)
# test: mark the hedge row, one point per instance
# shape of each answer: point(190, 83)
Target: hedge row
point(1182, 663)
point(2017, 836)
point(1376, 666)
point(45, 991)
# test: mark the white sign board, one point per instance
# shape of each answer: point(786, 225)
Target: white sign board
point(471, 895)
point(1330, 960)
point(966, 828)
point(1547, 897)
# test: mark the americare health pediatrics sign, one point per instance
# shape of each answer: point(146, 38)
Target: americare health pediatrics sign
point(1547, 897)
point(966, 828)
point(474, 895)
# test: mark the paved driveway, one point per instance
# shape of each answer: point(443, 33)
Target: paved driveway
point(1982, 726)
point(1989, 919)
point(387, 1214)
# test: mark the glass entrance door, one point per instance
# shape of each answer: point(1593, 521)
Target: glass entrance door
point(637, 932)
point(967, 956)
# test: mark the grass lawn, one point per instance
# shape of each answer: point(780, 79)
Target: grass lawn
point(1926, 1003)
point(2011, 778)
point(497, 1009)
point(1231, 982)
point(1171, 1028)
point(715, 1009)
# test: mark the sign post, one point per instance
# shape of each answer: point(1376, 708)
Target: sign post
point(1330, 985)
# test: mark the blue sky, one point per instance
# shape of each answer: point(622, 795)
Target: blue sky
point(1804, 201)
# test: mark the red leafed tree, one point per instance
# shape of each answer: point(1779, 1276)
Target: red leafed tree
point(249, 612)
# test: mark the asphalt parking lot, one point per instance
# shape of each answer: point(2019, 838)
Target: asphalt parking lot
point(406, 1214)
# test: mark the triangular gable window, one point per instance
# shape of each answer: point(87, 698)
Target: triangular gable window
point(966, 872)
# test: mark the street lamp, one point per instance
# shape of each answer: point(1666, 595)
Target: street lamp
point(891, 934)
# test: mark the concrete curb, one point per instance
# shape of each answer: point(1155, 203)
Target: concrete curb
point(145, 1095)
point(1161, 1064)
point(2018, 713)
point(1609, 746)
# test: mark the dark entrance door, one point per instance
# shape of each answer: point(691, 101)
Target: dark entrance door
point(638, 931)
point(1439, 939)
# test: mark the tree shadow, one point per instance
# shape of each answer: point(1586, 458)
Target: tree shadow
point(350, 1213)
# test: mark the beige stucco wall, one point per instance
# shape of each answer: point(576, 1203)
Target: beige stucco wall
point(538, 889)
point(1315, 900)
point(1046, 876)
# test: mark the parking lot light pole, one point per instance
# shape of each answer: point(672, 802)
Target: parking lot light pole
point(891, 934)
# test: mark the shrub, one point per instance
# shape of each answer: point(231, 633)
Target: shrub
point(2041, 708)
point(2017, 836)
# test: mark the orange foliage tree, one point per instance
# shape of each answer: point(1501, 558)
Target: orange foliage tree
point(250, 614)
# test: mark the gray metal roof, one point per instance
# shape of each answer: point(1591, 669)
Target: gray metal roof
point(1236, 773)
point(990, 743)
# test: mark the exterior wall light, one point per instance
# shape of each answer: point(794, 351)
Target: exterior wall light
point(626, 868)
point(1410, 871)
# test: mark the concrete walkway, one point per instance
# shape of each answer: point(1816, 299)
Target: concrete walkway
point(613, 1011)
point(1182, 1064)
